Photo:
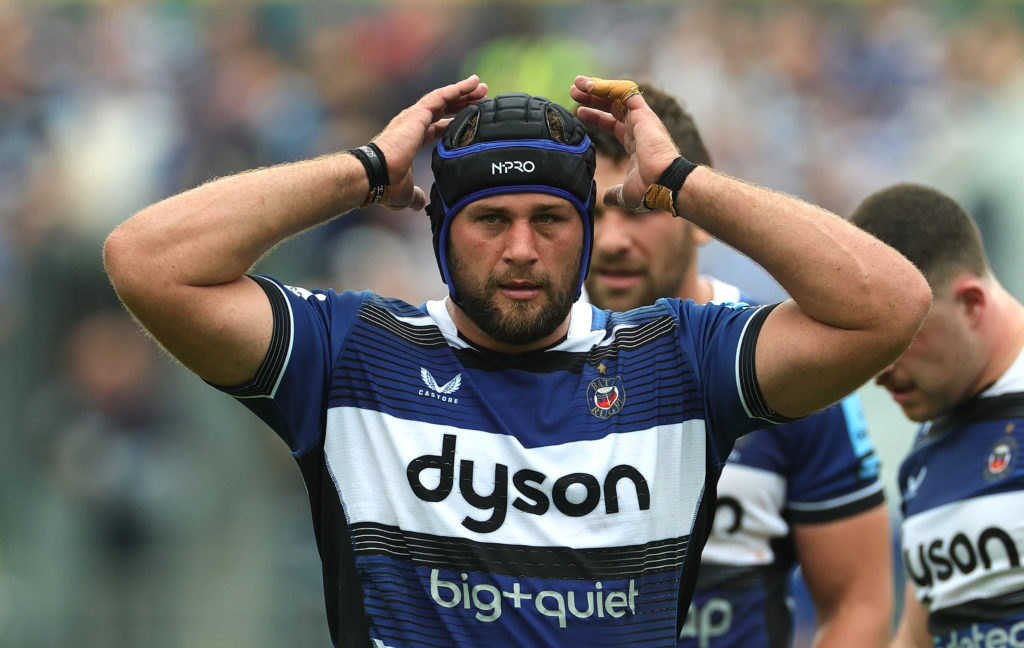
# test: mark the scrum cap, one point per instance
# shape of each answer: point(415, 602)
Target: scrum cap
point(513, 143)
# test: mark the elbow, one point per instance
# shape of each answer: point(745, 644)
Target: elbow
point(115, 257)
point(123, 261)
point(907, 307)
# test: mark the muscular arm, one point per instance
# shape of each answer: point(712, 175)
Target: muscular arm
point(856, 303)
point(912, 631)
point(848, 570)
point(180, 264)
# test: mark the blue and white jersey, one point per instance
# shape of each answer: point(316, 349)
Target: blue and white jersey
point(818, 469)
point(462, 497)
point(962, 486)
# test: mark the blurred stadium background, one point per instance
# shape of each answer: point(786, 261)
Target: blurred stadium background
point(137, 506)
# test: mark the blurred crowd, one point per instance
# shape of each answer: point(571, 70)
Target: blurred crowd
point(137, 506)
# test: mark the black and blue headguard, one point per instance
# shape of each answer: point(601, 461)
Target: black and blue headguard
point(513, 143)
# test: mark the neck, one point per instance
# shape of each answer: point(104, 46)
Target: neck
point(477, 336)
point(694, 287)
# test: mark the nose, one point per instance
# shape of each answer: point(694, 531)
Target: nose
point(884, 373)
point(520, 245)
point(611, 233)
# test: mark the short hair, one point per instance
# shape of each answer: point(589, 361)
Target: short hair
point(928, 227)
point(677, 120)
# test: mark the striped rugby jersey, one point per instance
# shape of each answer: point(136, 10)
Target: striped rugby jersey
point(462, 497)
point(962, 536)
point(820, 468)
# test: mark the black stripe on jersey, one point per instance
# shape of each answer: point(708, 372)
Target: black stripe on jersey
point(828, 515)
point(533, 361)
point(266, 376)
point(343, 590)
point(715, 576)
point(428, 337)
point(978, 410)
point(521, 561)
point(627, 339)
point(988, 610)
point(548, 361)
point(748, 372)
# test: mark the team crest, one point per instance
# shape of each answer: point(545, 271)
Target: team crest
point(1001, 459)
point(605, 396)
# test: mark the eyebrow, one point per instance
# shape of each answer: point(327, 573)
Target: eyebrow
point(482, 206)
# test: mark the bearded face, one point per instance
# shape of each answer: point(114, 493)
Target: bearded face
point(514, 321)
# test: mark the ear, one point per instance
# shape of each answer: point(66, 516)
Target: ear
point(971, 296)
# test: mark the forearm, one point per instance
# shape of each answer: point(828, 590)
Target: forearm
point(837, 274)
point(215, 233)
point(856, 625)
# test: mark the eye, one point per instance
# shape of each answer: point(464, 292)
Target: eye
point(550, 218)
point(489, 218)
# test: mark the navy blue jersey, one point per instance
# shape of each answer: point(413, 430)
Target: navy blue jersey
point(818, 469)
point(962, 486)
point(462, 497)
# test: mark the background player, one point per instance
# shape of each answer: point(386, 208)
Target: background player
point(963, 379)
point(805, 492)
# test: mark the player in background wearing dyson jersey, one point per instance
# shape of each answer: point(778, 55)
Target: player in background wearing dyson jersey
point(510, 466)
point(807, 492)
point(962, 483)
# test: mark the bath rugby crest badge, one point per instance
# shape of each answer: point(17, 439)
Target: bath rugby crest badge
point(605, 396)
point(1001, 459)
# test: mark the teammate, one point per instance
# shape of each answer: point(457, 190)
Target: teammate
point(807, 491)
point(962, 481)
point(511, 466)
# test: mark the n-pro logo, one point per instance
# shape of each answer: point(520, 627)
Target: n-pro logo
point(508, 166)
point(440, 392)
point(1001, 459)
point(606, 396)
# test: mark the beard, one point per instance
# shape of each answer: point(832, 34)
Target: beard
point(522, 322)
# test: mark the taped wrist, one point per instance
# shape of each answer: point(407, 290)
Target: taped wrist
point(376, 171)
point(663, 193)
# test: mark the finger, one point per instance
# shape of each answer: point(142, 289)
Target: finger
point(435, 130)
point(455, 96)
point(579, 91)
point(598, 118)
point(419, 199)
point(617, 92)
point(613, 197)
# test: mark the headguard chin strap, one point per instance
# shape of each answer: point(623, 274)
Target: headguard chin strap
point(514, 143)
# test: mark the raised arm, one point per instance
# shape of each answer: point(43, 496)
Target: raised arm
point(180, 265)
point(856, 303)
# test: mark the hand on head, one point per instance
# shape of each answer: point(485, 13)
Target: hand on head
point(416, 126)
point(619, 108)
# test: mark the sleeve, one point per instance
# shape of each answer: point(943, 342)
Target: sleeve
point(290, 390)
point(833, 470)
point(719, 340)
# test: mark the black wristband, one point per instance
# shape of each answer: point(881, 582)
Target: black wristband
point(663, 193)
point(376, 170)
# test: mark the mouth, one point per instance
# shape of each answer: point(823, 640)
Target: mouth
point(900, 394)
point(618, 278)
point(520, 290)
